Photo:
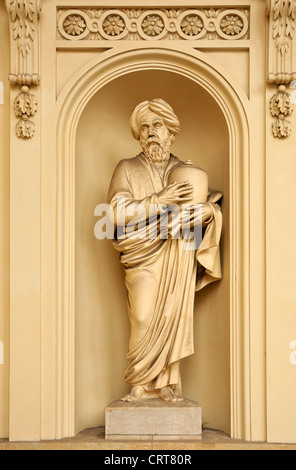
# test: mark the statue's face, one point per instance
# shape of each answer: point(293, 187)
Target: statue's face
point(153, 131)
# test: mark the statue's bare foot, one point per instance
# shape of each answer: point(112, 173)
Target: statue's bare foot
point(135, 394)
point(167, 394)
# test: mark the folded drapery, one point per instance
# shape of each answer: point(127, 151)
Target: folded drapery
point(162, 276)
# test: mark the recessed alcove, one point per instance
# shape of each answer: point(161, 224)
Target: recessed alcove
point(102, 325)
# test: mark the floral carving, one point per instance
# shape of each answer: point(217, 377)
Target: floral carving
point(25, 129)
point(192, 25)
point(134, 24)
point(281, 103)
point(25, 104)
point(173, 13)
point(284, 14)
point(114, 25)
point(23, 14)
point(232, 25)
point(24, 18)
point(282, 26)
point(133, 13)
point(212, 12)
point(281, 106)
point(282, 128)
point(153, 25)
point(74, 25)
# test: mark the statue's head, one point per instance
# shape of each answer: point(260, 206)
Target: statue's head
point(156, 126)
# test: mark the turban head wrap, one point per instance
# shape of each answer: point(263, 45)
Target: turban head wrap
point(159, 107)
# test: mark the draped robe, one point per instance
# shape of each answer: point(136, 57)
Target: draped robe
point(161, 275)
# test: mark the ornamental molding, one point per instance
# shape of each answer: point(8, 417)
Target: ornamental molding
point(24, 18)
point(282, 50)
point(24, 31)
point(281, 106)
point(282, 62)
point(140, 24)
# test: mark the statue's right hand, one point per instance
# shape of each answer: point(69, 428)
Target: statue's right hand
point(176, 193)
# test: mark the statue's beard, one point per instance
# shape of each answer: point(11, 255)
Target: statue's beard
point(157, 152)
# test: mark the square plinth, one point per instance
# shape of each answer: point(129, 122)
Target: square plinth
point(153, 419)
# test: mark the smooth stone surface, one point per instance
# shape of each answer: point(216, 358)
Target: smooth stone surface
point(153, 419)
point(94, 439)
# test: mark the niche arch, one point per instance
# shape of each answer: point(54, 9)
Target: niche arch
point(197, 67)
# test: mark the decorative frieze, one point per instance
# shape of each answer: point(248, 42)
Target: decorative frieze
point(24, 18)
point(147, 24)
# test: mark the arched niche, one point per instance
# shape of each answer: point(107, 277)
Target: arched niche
point(102, 330)
point(224, 330)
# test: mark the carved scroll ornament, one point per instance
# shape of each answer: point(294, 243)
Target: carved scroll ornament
point(24, 29)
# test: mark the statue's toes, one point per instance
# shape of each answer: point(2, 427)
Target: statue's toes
point(130, 399)
point(125, 399)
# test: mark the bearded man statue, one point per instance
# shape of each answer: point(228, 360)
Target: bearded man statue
point(161, 275)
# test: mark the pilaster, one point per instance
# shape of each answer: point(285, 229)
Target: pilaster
point(25, 219)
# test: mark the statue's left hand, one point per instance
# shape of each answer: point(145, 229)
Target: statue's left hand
point(207, 212)
point(207, 209)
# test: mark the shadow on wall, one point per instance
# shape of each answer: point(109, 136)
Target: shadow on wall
point(102, 325)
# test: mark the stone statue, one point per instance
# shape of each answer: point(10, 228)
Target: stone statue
point(161, 274)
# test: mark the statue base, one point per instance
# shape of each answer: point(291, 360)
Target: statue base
point(153, 419)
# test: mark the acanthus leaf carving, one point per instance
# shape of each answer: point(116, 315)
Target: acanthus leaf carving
point(25, 104)
point(282, 27)
point(24, 18)
point(281, 103)
point(23, 15)
point(284, 14)
point(25, 129)
point(282, 128)
point(281, 106)
point(281, 62)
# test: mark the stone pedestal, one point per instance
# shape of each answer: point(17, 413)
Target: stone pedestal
point(153, 420)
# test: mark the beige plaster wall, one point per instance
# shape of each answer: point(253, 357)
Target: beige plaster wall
point(102, 326)
point(4, 221)
point(281, 291)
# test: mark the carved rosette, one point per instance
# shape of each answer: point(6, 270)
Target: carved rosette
point(24, 29)
point(146, 24)
point(282, 66)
